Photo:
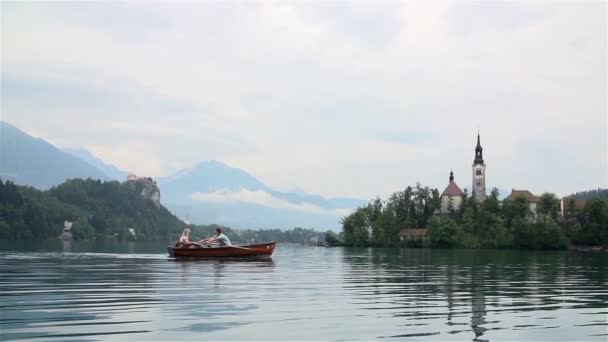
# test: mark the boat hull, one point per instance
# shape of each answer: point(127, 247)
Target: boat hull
point(192, 251)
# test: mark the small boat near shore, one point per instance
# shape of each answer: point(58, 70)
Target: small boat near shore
point(195, 250)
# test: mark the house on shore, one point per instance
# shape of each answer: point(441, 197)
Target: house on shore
point(568, 201)
point(66, 234)
point(417, 233)
point(530, 197)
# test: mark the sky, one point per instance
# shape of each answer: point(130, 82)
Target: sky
point(339, 98)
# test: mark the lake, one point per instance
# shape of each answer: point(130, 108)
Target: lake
point(90, 291)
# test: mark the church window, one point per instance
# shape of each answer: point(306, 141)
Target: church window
point(478, 172)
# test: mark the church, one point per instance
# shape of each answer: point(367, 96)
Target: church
point(452, 196)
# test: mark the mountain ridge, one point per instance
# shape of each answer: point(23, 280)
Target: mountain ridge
point(33, 161)
point(209, 192)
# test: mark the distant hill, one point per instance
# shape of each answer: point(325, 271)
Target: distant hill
point(108, 169)
point(98, 210)
point(589, 194)
point(209, 193)
point(213, 192)
point(32, 161)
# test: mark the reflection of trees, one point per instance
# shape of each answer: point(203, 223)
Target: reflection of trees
point(58, 292)
point(483, 281)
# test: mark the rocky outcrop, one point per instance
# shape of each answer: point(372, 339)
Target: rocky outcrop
point(146, 187)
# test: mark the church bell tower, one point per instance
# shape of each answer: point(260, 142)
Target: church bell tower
point(479, 174)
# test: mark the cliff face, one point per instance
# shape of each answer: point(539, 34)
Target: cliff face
point(146, 187)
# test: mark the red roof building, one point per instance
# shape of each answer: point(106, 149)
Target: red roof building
point(413, 233)
point(451, 197)
point(525, 193)
point(452, 190)
point(532, 200)
point(579, 204)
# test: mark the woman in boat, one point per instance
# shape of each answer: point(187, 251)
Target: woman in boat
point(219, 237)
point(184, 240)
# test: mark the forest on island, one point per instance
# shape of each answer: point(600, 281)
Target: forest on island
point(490, 224)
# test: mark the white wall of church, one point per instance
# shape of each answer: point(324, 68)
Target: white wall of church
point(445, 203)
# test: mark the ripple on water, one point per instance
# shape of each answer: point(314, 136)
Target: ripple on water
point(305, 293)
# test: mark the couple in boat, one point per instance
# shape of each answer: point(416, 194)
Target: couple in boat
point(218, 240)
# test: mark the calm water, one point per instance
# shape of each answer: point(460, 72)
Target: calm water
point(134, 292)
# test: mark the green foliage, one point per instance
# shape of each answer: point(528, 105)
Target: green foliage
point(490, 224)
point(98, 210)
point(379, 223)
point(549, 206)
point(601, 193)
point(331, 239)
point(443, 232)
point(298, 235)
point(591, 226)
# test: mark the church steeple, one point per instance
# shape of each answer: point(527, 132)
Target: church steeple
point(478, 152)
point(451, 176)
point(479, 174)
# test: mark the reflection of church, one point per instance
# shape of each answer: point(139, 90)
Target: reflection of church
point(452, 196)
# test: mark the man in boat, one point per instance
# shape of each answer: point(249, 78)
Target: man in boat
point(219, 237)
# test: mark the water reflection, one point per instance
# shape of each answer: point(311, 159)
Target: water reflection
point(514, 288)
point(50, 295)
point(67, 246)
point(301, 293)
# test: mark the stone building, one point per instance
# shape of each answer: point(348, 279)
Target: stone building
point(479, 174)
point(451, 197)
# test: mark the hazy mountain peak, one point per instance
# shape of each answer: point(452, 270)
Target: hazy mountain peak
point(110, 170)
point(33, 161)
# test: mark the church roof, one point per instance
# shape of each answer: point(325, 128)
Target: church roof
point(525, 193)
point(452, 190)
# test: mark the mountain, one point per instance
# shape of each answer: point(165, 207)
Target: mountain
point(31, 161)
point(210, 192)
point(108, 169)
point(207, 177)
point(213, 192)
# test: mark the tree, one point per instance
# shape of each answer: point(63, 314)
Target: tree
point(442, 232)
point(548, 207)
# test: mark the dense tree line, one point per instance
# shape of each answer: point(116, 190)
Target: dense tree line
point(249, 236)
point(97, 209)
point(590, 194)
point(490, 224)
point(105, 210)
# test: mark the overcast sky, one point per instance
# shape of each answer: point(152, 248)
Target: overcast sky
point(341, 98)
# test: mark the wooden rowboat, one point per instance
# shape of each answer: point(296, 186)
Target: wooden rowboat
point(191, 250)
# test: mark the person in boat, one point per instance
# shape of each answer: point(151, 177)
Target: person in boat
point(185, 238)
point(219, 237)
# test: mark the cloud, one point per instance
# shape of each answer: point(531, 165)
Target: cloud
point(342, 99)
point(263, 198)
